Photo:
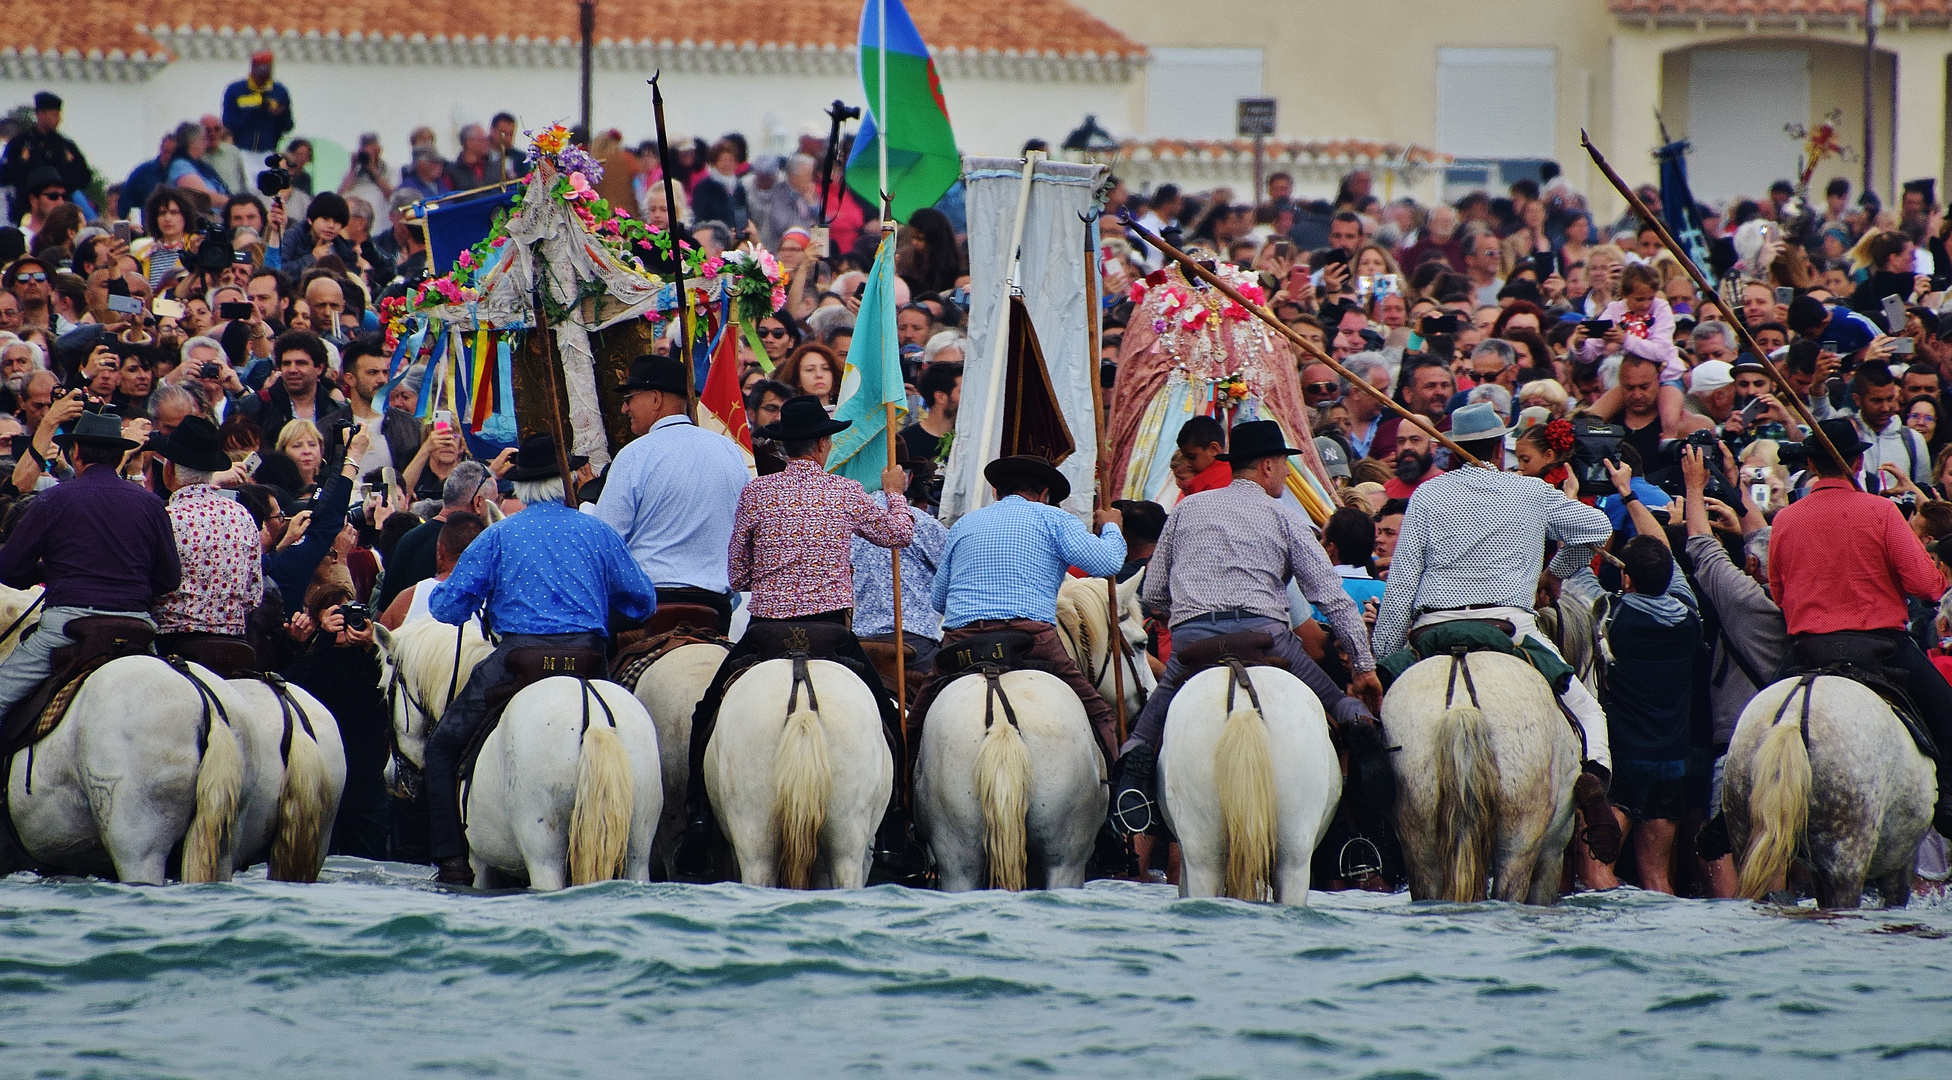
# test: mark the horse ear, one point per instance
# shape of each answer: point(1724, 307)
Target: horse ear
point(385, 638)
point(1129, 591)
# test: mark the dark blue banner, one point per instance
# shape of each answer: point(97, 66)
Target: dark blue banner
point(454, 227)
point(1678, 211)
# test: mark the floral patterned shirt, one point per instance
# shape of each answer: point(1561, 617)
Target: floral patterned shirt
point(791, 540)
point(218, 545)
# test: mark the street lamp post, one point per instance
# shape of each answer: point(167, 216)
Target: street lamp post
point(586, 11)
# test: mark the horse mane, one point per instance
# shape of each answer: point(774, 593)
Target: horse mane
point(423, 652)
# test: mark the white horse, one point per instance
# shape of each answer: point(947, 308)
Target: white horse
point(144, 761)
point(799, 774)
point(1248, 781)
point(1083, 621)
point(1008, 769)
point(1857, 797)
point(670, 690)
point(15, 608)
point(565, 790)
point(1484, 778)
point(296, 765)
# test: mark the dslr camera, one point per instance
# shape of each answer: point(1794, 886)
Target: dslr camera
point(215, 255)
point(357, 615)
point(1593, 445)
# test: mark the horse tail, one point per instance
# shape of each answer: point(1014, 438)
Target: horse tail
point(1003, 789)
point(1467, 785)
point(599, 823)
point(802, 779)
point(220, 783)
point(1779, 808)
point(298, 846)
point(1243, 768)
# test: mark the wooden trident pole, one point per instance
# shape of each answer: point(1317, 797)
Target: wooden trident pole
point(1093, 321)
point(1193, 267)
point(1708, 293)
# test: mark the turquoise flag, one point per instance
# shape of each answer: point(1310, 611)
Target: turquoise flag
point(861, 452)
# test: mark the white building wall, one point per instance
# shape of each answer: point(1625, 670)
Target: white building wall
point(118, 123)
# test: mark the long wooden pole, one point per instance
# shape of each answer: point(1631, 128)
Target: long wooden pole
point(676, 229)
point(895, 498)
point(1193, 267)
point(1093, 321)
point(555, 396)
point(1708, 293)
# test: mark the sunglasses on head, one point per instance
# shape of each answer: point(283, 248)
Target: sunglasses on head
point(24, 277)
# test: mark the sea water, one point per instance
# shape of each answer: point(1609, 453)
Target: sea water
point(373, 973)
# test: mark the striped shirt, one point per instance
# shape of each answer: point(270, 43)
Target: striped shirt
point(792, 537)
point(1007, 560)
point(1236, 548)
point(1476, 538)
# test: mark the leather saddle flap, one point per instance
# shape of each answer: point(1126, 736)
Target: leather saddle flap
point(536, 663)
point(1006, 649)
point(1471, 635)
point(669, 617)
point(815, 640)
point(104, 636)
point(1250, 647)
point(1819, 652)
point(229, 657)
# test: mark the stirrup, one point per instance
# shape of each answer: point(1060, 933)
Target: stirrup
point(1132, 811)
point(1359, 859)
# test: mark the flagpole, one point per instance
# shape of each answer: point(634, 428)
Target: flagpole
point(671, 226)
point(1000, 351)
point(881, 114)
point(1093, 321)
point(901, 652)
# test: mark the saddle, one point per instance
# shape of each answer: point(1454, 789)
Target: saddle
point(228, 657)
point(1469, 636)
point(1249, 647)
point(628, 645)
point(888, 664)
point(798, 639)
point(638, 654)
point(97, 639)
point(522, 669)
point(1865, 659)
point(1004, 650)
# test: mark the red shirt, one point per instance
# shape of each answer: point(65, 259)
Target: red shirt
point(1212, 478)
point(1396, 489)
point(1841, 559)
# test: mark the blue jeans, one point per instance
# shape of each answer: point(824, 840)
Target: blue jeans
point(1151, 724)
point(32, 662)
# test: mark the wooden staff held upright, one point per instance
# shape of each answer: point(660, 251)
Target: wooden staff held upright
point(1093, 321)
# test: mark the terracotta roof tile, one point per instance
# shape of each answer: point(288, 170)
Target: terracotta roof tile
point(1024, 26)
point(1778, 10)
point(1277, 150)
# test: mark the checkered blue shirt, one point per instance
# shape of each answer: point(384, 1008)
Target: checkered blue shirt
point(1007, 560)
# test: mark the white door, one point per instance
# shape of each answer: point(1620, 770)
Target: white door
point(1738, 102)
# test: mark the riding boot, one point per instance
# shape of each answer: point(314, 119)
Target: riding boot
point(1369, 765)
point(1942, 815)
point(1132, 802)
point(455, 871)
point(1602, 829)
point(896, 851)
point(696, 845)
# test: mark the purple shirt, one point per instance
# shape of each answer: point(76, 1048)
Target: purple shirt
point(96, 541)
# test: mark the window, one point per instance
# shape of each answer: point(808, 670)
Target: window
point(1191, 93)
point(1495, 104)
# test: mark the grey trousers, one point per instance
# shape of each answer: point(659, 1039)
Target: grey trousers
point(31, 662)
point(1150, 727)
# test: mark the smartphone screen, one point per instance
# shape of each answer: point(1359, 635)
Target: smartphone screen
point(1785, 295)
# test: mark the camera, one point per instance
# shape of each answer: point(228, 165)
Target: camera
point(1593, 445)
point(357, 615)
point(215, 255)
point(1666, 474)
point(210, 370)
point(1434, 325)
point(275, 180)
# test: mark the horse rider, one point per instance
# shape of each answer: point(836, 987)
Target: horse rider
point(217, 542)
point(791, 539)
point(1222, 566)
point(672, 491)
point(546, 577)
point(1002, 567)
point(1842, 561)
point(100, 545)
point(1471, 548)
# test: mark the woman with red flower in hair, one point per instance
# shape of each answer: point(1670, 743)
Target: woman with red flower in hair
point(1543, 449)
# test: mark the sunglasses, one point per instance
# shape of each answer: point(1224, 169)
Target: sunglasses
point(23, 278)
point(779, 333)
point(52, 196)
point(1321, 387)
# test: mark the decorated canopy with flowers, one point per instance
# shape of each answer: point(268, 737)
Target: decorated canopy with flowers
point(591, 266)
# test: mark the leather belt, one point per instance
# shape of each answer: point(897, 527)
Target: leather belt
point(1224, 615)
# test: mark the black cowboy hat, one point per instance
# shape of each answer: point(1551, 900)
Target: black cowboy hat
point(1255, 440)
point(1039, 470)
point(195, 445)
point(654, 371)
point(1843, 435)
point(101, 427)
point(802, 419)
point(536, 459)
